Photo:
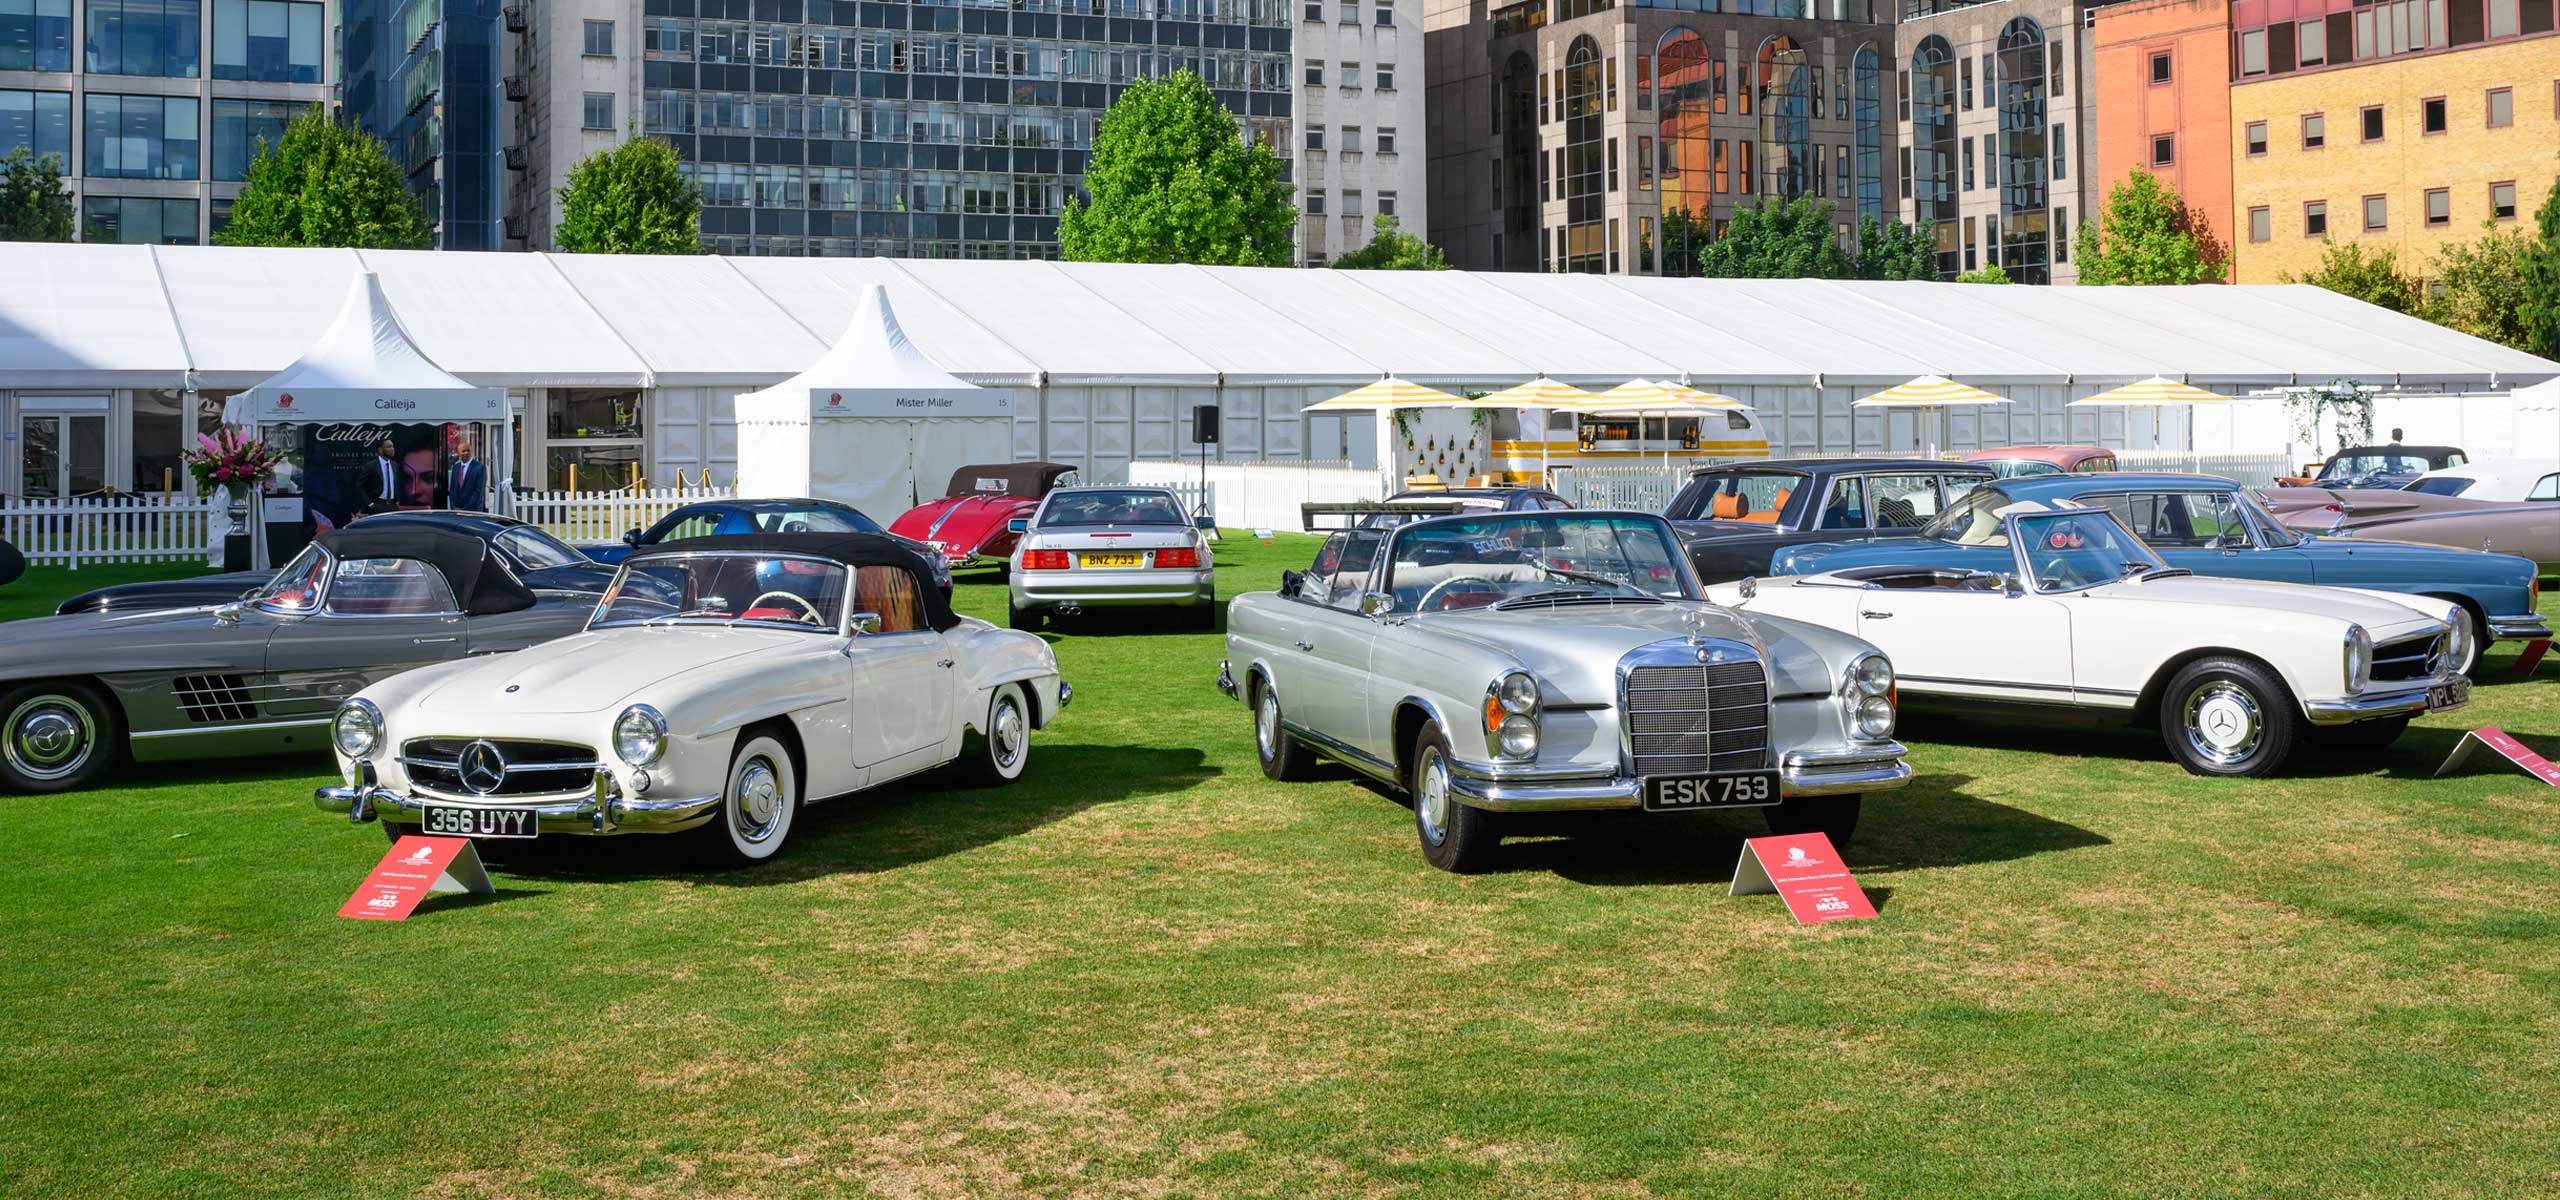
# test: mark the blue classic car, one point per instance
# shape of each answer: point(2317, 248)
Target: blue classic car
point(2212, 527)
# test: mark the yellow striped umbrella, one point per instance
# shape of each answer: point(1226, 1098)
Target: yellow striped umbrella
point(1389, 393)
point(1540, 392)
point(2156, 390)
point(1930, 391)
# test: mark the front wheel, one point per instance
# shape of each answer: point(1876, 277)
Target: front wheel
point(1455, 838)
point(1834, 817)
point(2230, 717)
point(56, 736)
point(997, 755)
point(757, 807)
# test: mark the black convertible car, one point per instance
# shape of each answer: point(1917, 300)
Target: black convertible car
point(1734, 518)
point(541, 561)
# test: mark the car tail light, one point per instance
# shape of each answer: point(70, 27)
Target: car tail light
point(1044, 560)
point(1178, 556)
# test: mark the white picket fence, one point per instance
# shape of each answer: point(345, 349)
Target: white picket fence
point(1644, 489)
point(593, 518)
point(1261, 495)
point(108, 529)
point(2252, 470)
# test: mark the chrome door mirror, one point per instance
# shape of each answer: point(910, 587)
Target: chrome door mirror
point(866, 623)
point(1018, 525)
point(229, 614)
point(631, 537)
point(1376, 604)
point(1749, 587)
point(2009, 586)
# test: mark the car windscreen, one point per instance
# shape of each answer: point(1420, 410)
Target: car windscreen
point(2441, 485)
point(726, 588)
point(1735, 496)
point(2068, 551)
point(2012, 468)
point(813, 520)
point(2365, 466)
point(1112, 507)
point(298, 586)
point(1470, 562)
point(536, 549)
point(1971, 521)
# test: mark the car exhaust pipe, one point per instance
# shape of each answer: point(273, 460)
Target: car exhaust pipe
point(1070, 608)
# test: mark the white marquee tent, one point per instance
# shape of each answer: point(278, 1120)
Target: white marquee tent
point(874, 423)
point(1105, 361)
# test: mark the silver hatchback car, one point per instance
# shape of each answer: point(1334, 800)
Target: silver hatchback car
point(1110, 547)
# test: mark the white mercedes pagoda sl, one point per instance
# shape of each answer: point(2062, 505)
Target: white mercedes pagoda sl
point(2236, 674)
point(721, 684)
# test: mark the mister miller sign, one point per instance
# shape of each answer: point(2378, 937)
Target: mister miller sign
point(912, 402)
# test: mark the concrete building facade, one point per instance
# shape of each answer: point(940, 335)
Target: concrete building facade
point(1358, 154)
point(1996, 119)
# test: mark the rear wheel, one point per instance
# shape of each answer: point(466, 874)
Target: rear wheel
point(1024, 618)
point(1455, 838)
point(1834, 817)
point(57, 736)
point(1205, 615)
point(2229, 716)
point(756, 809)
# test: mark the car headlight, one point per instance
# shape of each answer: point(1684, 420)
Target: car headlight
point(357, 729)
point(1517, 692)
point(1873, 716)
point(2457, 641)
point(1511, 715)
point(1871, 675)
point(2359, 656)
point(639, 735)
point(1518, 737)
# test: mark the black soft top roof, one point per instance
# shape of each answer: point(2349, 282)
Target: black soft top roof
point(851, 549)
point(2425, 452)
point(1029, 480)
point(482, 584)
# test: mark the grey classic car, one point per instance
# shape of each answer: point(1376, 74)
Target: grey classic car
point(1545, 661)
point(264, 674)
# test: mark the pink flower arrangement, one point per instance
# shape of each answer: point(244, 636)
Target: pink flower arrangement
point(227, 459)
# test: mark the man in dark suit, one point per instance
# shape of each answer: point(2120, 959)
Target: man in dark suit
point(466, 488)
point(382, 487)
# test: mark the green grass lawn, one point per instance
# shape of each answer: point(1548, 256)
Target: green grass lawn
point(1148, 971)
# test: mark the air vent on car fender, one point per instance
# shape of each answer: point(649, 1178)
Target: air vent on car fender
point(214, 697)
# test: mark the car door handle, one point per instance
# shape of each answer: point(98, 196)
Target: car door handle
point(433, 640)
point(1306, 645)
point(1876, 616)
point(946, 662)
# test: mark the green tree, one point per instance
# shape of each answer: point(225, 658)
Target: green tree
point(2375, 278)
point(631, 199)
point(1893, 250)
point(2540, 280)
point(1393, 249)
point(2483, 287)
point(33, 206)
point(325, 184)
point(2147, 234)
point(1684, 236)
point(1777, 239)
point(1174, 179)
point(1984, 275)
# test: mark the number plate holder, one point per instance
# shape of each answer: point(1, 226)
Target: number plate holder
point(1720, 789)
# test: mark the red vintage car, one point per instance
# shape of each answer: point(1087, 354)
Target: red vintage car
point(967, 526)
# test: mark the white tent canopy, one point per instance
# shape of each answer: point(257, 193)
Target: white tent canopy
point(364, 367)
point(874, 423)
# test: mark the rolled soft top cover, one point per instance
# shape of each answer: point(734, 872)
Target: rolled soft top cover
point(1029, 480)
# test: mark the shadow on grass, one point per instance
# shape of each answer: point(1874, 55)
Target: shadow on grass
point(911, 821)
point(2414, 754)
point(314, 769)
point(454, 903)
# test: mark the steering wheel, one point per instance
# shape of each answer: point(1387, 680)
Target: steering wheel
point(1434, 591)
point(814, 617)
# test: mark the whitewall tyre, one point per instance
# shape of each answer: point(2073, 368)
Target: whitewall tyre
point(2229, 716)
point(756, 809)
point(57, 736)
point(1002, 748)
point(1455, 838)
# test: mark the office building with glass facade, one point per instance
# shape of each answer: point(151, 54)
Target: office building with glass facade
point(828, 127)
point(422, 76)
point(156, 107)
point(1998, 132)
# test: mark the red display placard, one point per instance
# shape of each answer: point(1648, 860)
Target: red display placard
point(2532, 656)
point(1806, 872)
point(2512, 750)
point(417, 867)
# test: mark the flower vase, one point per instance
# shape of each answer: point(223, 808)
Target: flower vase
point(235, 500)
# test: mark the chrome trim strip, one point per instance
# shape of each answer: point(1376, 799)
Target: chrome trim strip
point(201, 730)
point(2403, 701)
point(1333, 748)
point(2528, 625)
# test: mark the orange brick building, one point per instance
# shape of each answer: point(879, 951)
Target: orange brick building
point(2162, 82)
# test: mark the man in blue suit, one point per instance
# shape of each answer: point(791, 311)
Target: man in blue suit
point(467, 485)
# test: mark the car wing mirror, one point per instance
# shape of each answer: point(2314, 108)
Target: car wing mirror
point(1749, 587)
point(631, 537)
point(866, 623)
point(2011, 586)
point(229, 614)
point(1018, 525)
point(1376, 604)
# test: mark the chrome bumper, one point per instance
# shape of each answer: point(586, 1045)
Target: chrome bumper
point(1227, 681)
point(1112, 588)
point(603, 810)
point(2525, 626)
point(1871, 769)
point(2408, 702)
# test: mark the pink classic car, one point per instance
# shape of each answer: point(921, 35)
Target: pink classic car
point(2014, 461)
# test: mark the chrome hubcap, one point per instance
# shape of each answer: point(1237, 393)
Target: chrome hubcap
point(758, 811)
point(2224, 723)
point(49, 737)
point(1009, 739)
point(1431, 796)
point(1266, 724)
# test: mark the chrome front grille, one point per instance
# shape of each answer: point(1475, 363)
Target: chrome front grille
point(453, 767)
point(2408, 658)
point(1688, 717)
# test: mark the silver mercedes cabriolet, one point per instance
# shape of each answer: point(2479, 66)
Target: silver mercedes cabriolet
point(1546, 661)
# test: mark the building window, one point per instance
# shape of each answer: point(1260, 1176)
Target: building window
point(1315, 73)
point(1964, 84)
point(2502, 18)
point(2164, 149)
point(1613, 166)
point(1315, 203)
point(2253, 52)
point(1351, 12)
point(1386, 77)
point(37, 122)
point(35, 35)
point(1968, 164)
point(595, 433)
point(1315, 137)
point(142, 37)
point(1386, 14)
point(2315, 131)
point(2061, 153)
point(137, 221)
point(2439, 208)
point(2159, 66)
point(1350, 139)
point(2502, 108)
point(2502, 201)
point(2257, 139)
point(267, 41)
point(139, 137)
point(1351, 77)
point(1315, 10)
point(2373, 123)
point(600, 38)
point(1581, 175)
point(1644, 164)
point(1386, 140)
point(1386, 204)
point(2377, 212)
point(1351, 203)
point(598, 111)
point(1971, 248)
point(241, 126)
point(2311, 42)
point(2431, 115)
point(2061, 235)
point(1644, 83)
point(2315, 218)
point(1786, 82)
point(1931, 177)
point(1867, 123)
point(1613, 245)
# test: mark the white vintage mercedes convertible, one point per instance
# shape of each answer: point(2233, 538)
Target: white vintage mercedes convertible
point(721, 683)
point(2236, 674)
